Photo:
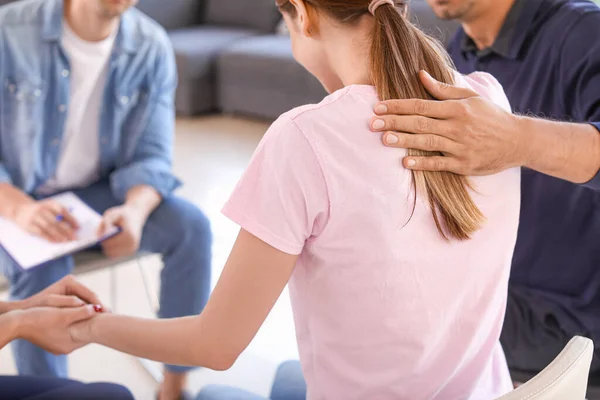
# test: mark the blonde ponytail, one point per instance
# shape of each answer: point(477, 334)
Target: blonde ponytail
point(399, 51)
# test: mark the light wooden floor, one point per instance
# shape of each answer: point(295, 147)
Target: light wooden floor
point(211, 154)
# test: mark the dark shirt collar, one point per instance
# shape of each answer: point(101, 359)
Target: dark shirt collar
point(513, 33)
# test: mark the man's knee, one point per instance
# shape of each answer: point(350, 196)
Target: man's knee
point(289, 382)
point(181, 221)
point(93, 391)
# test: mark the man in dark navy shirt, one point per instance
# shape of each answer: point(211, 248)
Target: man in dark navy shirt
point(546, 54)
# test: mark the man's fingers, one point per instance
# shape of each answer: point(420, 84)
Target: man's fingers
point(427, 108)
point(45, 223)
point(61, 230)
point(60, 301)
point(61, 213)
point(64, 229)
point(79, 314)
point(68, 218)
point(101, 229)
point(448, 164)
point(443, 91)
point(109, 219)
point(412, 124)
point(420, 142)
point(75, 288)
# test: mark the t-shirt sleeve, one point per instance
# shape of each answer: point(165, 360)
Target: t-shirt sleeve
point(282, 199)
point(595, 182)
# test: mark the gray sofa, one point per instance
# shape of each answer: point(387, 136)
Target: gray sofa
point(258, 76)
point(200, 31)
point(230, 59)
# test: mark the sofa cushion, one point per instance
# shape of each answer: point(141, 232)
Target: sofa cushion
point(258, 76)
point(424, 17)
point(255, 14)
point(196, 51)
point(178, 14)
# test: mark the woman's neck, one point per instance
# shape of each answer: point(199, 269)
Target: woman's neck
point(349, 54)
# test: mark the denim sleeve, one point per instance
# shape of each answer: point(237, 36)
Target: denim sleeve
point(595, 182)
point(4, 175)
point(151, 163)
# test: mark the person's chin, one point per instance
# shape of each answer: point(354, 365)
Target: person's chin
point(115, 8)
point(114, 12)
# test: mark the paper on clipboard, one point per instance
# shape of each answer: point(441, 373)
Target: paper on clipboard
point(30, 251)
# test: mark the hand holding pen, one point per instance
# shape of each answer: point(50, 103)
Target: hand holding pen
point(48, 219)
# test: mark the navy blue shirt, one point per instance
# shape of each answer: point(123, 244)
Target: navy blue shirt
point(547, 57)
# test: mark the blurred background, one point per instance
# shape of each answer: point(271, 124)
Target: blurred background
point(236, 75)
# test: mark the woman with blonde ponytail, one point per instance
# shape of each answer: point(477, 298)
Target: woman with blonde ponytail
point(398, 280)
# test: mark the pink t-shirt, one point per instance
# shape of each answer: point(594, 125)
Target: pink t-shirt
point(384, 307)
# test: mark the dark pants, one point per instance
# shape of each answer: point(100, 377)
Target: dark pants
point(536, 330)
point(31, 388)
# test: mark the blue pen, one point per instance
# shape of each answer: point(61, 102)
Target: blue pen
point(61, 218)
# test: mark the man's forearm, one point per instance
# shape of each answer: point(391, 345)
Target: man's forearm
point(144, 199)
point(11, 198)
point(564, 150)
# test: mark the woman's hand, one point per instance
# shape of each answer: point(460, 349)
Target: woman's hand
point(67, 292)
point(49, 328)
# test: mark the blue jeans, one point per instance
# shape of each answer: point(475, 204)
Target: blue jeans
point(289, 385)
point(177, 230)
point(32, 388)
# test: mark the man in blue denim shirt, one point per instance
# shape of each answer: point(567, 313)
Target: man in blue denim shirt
point(86, 104)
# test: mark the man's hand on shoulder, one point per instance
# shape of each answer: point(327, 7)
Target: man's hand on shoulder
point(476, 136)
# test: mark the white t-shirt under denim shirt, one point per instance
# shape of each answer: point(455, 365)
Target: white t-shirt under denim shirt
point(79, 162)
point(384, 309)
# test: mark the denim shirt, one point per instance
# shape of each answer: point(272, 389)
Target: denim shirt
point(137, 115)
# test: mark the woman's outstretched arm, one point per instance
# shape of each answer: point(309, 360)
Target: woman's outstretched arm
point(252, 281)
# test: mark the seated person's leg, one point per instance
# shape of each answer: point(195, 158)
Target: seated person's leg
point(90, 391)
point(219, 392)
point(30, 359)
point(289, 382)
point(181, 233)
point(24, 387)
point(35, 388)
point(534, 331)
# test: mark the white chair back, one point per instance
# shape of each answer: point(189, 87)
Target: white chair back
point(565, 378)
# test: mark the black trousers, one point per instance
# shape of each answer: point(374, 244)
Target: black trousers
point(33, 388)
point(536, 330)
